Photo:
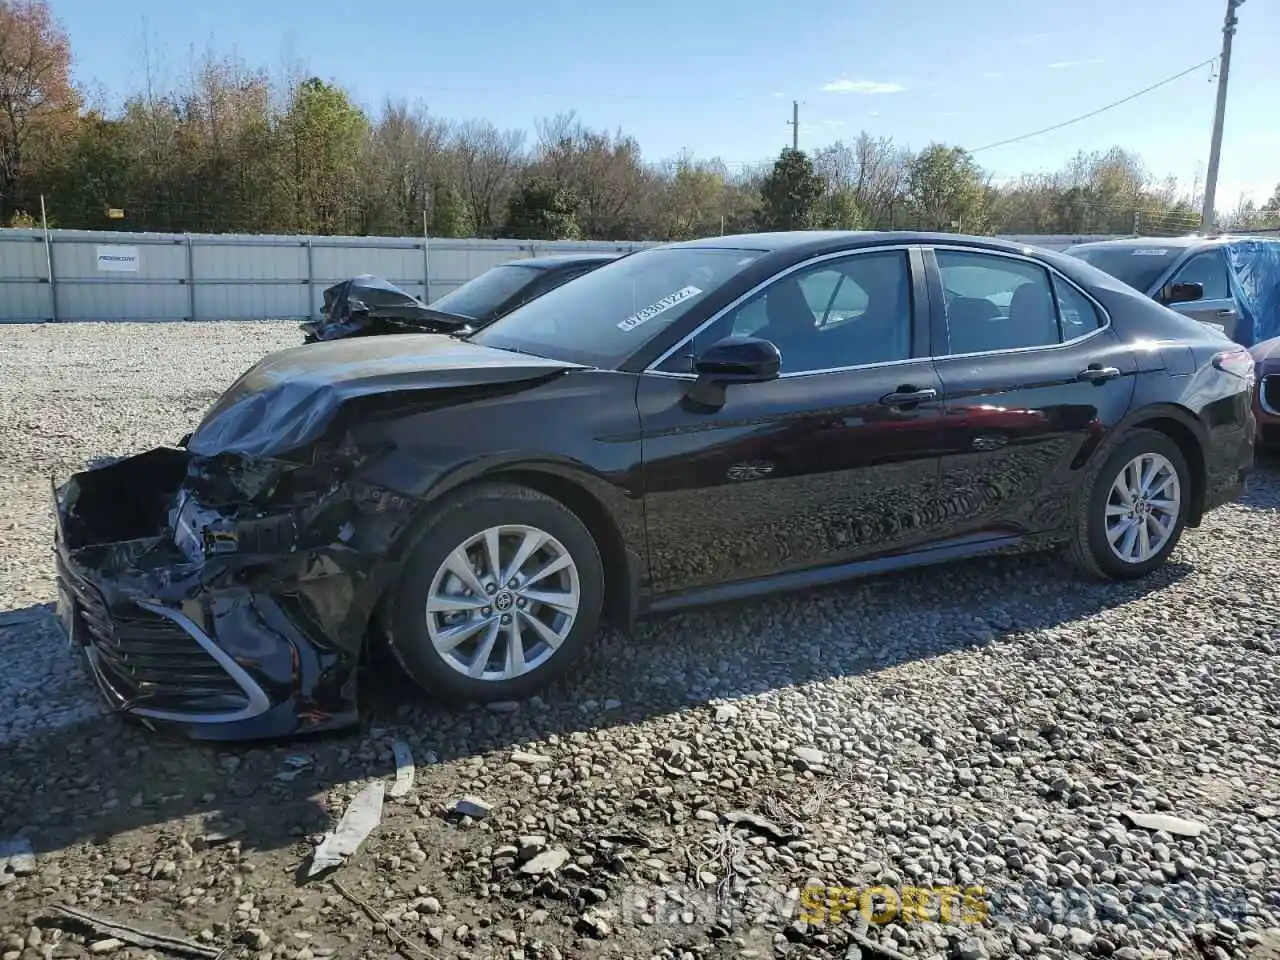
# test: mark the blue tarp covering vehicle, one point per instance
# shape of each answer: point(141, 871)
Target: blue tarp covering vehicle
point(1239, 278)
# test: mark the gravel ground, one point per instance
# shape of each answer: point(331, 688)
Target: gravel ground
point(992, 725)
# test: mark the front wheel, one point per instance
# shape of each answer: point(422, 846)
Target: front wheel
point(501, 596)
point(1134, 508)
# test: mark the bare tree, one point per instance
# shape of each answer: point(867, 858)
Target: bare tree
point(489, 164)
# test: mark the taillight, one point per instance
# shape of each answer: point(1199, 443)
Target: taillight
point(1238, 362)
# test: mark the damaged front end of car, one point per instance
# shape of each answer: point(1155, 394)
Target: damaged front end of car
point(228, 585)
point(227, 595)
point(367, 306)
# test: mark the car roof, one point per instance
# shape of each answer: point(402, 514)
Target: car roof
point(563, 260)
point(817, 241)
point(1168, 243)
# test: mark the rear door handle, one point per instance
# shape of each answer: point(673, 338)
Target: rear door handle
point(908, 394)
point(1096, 373)
point(1225, 312)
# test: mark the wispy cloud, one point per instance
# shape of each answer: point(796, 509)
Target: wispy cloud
point(833, 123)
point(1065, 64)
point(875, 113)
point(777, 96)
point(1032, 38)
point(845, 85)
point(993, 75)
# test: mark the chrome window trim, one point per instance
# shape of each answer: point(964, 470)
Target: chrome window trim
point(652, 368)
point(1049, 268)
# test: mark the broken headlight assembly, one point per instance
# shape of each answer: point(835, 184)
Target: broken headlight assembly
point(230, 504)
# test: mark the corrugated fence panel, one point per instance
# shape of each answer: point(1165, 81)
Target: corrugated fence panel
point(333, 262)
point(251, 277)
point(24, 279)
point(102, 275)
point(234, 299)
point(452, 264)
point(23, 258)
point(120, 276)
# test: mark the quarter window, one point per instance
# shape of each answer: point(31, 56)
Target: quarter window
point(838, 313)
point(996, 303)
point(1076, 312)
point(1209, 270)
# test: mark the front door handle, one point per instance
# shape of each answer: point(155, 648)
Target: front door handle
point(1096, 373)
point(1225, 312)
point(908, 394)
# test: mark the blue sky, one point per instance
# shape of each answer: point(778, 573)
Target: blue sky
point(718, 76)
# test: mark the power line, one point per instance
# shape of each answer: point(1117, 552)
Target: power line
point(1094, 113)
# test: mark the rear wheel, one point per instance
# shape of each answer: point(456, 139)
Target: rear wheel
point(1134, 508)
point(500, 597)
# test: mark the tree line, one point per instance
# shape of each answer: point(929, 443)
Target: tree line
point(234, 150)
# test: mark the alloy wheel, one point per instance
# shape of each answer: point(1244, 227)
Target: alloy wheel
point(503, 602)
point(1143, 508)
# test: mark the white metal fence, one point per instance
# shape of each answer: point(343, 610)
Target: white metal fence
point(66, 275)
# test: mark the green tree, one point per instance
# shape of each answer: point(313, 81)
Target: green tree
point(946, 190)
point(326, 134)
point(539, 210)
point(789, 194)
point(839, 210)
point(692, 202)
point(96, 175)
point(1272, 206)
point(448, 214)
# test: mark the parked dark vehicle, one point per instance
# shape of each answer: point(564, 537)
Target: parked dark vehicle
point(369, 306)
point(1266, 395)
point(698, 422)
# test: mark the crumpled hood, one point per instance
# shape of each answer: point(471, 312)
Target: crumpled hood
point(288, 399)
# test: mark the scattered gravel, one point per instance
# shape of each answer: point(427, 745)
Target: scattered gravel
point(1101, 760)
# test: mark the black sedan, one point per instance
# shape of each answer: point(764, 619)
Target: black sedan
point(702, 421)
point(369, 306)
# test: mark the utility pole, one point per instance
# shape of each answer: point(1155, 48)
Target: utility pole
point(1215, 147)
point(795, 122)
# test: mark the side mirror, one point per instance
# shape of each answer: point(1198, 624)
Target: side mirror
point(739, 360)
point(1183, 292)
point(356, 306)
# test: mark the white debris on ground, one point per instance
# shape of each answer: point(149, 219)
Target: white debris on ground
point(1098, 766)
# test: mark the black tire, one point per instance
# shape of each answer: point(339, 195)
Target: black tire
point(463, 516)
point(1088, 548)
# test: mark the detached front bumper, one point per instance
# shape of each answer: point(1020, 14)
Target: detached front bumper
point(230, 646)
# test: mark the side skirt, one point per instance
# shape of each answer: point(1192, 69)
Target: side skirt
point(957, 549)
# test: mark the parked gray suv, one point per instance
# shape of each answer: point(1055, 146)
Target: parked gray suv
point(1227, 282)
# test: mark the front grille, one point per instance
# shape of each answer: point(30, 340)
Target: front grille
point(148, 658)
point(1271, 392)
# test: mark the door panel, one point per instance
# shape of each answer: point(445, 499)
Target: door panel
point(817, 467)
point(1017, 421)
point(792, 474)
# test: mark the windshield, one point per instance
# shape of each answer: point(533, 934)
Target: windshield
point(1139, 267)
point(605, 316)
point(478, 298)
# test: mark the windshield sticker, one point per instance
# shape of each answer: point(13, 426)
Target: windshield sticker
point(1149, 253)
point(651, 311)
